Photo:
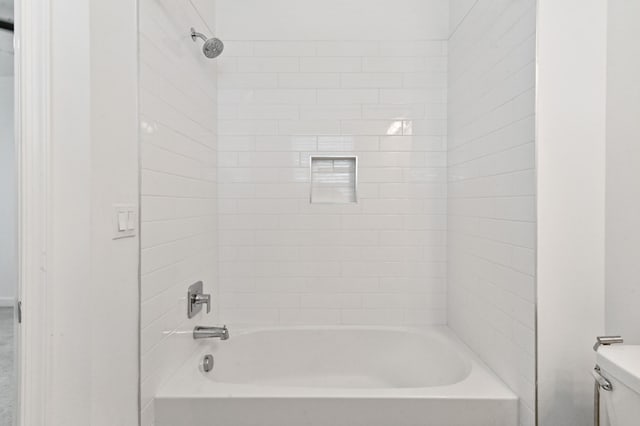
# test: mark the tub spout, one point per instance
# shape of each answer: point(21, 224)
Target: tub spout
point(202, 332)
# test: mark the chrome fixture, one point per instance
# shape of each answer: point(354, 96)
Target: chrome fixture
point(196, 298)
point(212, 47)
point(202, 332)
point(207, 363)
point(606, 341)
point(601, 383)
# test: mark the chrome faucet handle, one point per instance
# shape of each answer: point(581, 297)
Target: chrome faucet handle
point(202, 299)
point(196, 298)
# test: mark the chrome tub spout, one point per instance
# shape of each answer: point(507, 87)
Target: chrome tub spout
point(202, 332)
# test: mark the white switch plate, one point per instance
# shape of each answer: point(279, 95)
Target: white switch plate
point(125, 221)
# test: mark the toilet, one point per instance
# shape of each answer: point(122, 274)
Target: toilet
point(620, 365)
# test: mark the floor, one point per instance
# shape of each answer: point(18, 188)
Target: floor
point(6, 366)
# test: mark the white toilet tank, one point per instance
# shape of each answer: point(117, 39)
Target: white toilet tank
point(620, 364)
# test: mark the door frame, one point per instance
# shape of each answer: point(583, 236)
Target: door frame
point(32, 117)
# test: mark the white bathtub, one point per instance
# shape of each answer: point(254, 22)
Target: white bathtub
point(342, 376)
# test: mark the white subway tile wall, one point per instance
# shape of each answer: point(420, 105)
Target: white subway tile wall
point(286, 261)
point(491, 207)
point(333, 21)
point(178, 102)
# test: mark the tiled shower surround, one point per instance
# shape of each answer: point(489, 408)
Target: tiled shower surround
point(178, 212)
point(442, 122)
point(284, 260)
point(491, 166)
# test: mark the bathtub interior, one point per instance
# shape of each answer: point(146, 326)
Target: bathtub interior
point(449, 368)
point(339, 357)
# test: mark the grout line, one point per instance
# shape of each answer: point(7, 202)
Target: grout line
point(452, 33)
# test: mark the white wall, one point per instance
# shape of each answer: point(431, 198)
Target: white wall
point(491, 205)
point(6, 9)
point(284, 95)
point(623, 189)
point(70, 271)
point(179, 190)
point(92, 279)
point(8, 195)
point(115, 175)
point(571, 211)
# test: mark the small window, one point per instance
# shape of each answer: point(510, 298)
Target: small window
point(334, 179)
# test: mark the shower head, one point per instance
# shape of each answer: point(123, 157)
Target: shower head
point(212, 47)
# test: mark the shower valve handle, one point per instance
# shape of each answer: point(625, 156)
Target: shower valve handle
point(202, 299)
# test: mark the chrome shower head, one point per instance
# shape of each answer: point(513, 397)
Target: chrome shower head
point(212, 47)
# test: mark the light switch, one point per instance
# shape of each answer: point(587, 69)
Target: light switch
point(124, 221)
point(131, 220)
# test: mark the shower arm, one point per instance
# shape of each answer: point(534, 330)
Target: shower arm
point(195, 34)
